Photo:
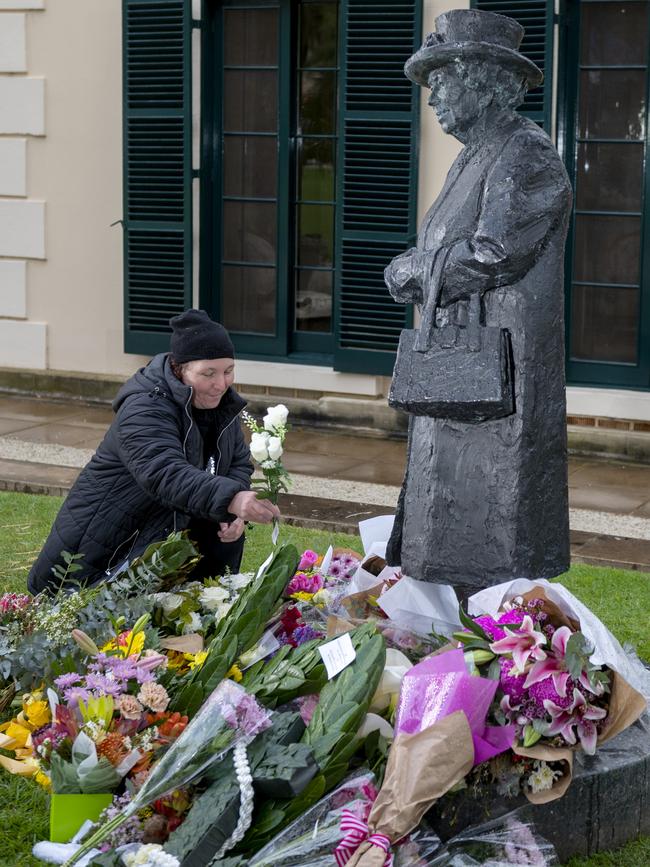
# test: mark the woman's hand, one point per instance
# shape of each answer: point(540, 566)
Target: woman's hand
point(247, 507)
point(231, 532)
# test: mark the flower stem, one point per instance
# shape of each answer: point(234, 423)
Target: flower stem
point(99, 835)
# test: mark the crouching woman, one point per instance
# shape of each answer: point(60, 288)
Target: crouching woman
point(174, 458)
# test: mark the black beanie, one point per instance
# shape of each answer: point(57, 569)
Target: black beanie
point(196, 337)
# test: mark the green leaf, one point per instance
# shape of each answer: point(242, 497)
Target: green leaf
point(540, 726)
point(531, 736)
point(494, 670)
point(102, 778)
point(578, 651)
point(467, 621)
point(64, 776)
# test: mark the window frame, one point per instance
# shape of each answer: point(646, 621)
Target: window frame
point(623, 375)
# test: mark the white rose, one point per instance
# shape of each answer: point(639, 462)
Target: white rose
point(169, 601)
point(221, 610)
point(275, 448)
point(259, 446)
point(276, 417)
point(211, 597)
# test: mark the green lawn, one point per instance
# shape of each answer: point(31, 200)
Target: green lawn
point(621, 599)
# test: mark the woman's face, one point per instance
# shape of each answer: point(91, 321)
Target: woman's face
point(209, 379)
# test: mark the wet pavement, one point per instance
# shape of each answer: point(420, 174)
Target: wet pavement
point(338, 478)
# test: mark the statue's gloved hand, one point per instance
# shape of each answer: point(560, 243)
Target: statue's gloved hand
point(405, 276)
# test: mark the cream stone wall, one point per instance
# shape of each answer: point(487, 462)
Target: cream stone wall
point(76, 168)
point(22, 213)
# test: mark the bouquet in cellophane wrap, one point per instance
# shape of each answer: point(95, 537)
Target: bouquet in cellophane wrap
point(228, 718)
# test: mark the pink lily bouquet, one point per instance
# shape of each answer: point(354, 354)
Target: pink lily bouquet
point(549, 691)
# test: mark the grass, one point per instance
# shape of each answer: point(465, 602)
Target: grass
point(620, 598)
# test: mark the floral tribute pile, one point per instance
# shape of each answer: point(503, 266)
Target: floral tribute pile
point(284, 717)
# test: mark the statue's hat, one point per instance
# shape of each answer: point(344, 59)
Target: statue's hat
point(469, 33)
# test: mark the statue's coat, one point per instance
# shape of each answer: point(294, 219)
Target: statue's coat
point(484, 503)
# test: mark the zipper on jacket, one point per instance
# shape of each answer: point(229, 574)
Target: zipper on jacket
point(189, 415)
point(216, 470)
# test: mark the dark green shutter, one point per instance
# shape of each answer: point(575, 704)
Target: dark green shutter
point(157, 169)
point(377, 179)
point(536, 17)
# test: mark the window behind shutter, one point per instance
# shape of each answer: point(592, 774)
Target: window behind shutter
point(157, 169)
point(377, 182)
point(536, 17)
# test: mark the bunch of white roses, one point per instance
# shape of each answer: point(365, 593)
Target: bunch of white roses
point(267, 440)
point(267, 447)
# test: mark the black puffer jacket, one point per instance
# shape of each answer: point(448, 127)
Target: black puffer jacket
point(146, 479)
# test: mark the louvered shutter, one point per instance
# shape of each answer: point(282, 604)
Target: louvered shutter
point(536, 17)
point(157, 169)
point(377, 184)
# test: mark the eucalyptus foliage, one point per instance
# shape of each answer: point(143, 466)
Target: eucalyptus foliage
point(47, 648)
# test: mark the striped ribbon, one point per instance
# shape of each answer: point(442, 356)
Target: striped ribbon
point(356, 832)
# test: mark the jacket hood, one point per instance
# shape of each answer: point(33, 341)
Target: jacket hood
point(157, 377)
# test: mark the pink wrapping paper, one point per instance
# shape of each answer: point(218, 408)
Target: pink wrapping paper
point(441, 685)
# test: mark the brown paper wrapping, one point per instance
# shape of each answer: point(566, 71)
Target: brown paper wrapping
point(360, 605)
point(421, 769)
point(625, 706)
point(564, 755)
point(337, 626)
point(192, 643)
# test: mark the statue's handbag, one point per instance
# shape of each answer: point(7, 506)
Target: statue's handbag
point(453, 372)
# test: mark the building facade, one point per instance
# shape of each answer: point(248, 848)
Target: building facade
point(265, 159)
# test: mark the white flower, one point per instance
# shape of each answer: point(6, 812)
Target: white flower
point(543, 777)
point(396, 666)
point(259, 446)
point(238, 581)
point(221, 610)
point(194, 624)
point(151, 855)
point(268, 465)
point(211, 597)
point(276, 417)
point(169, 601)
point(275, 448)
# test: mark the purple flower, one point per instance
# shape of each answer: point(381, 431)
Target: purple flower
point(515, 615)
point(511, 684)
point(252, 718)
point(143, 675)
point(302, 634)
point(336, 570)
point(104, 685)
point(545, 690)
point(75, 694)
point(63, 681)
point(490, 626)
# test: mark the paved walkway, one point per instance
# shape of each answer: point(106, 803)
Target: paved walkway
point(338, 479)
